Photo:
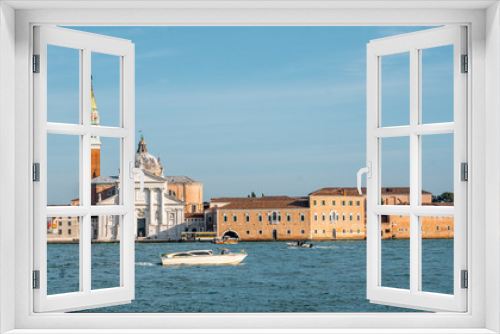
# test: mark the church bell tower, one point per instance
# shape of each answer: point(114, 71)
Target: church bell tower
point(95, 142)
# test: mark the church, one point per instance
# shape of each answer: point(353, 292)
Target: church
point(160, 211)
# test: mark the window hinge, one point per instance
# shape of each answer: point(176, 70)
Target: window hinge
point(36, 63)
point(465, 64)
point(36, 172)
point(464, 167)
point(465, 279)
point(36, 279)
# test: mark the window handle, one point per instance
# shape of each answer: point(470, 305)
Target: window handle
point(139, 171)
point(368, 171)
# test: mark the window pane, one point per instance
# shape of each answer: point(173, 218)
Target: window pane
point(63, 85)
point(437, 84)
point(106, 90)
point(437, 254)
point(395, 89)
point(63, 255)
point(105, 163)
point(395, 234)
point(105, 251)
point(395, 171)
point(437, 169)
point(63, 169)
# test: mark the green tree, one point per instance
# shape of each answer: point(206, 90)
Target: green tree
point(446, 197)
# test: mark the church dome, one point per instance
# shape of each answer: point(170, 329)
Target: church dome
point(147, 161)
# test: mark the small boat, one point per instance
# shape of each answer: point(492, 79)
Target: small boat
point(299, 244)
point(203, 257)
point(225, 240)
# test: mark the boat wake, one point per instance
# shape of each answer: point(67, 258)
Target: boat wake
point(145, 264)
point(325, 247)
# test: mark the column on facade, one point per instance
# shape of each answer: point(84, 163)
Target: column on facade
point(151, 210)
point(162, 208)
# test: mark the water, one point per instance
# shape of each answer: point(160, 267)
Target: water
point(331, 277)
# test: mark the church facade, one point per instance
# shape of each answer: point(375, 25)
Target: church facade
point(159, 211)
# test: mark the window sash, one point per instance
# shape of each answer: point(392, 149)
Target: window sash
point(412, 43)
point(86, 43)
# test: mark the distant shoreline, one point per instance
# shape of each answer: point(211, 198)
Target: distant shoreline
point(163, 241)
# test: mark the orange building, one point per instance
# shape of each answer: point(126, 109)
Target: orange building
point(187, 190)
point(260, 219)
point(326, 214)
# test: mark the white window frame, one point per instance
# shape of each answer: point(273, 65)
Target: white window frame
point(482, 17)
point(86, 43)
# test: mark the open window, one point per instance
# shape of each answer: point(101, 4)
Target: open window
point(413, 130)
point(79, 131)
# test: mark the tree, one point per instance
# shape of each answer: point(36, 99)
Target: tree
point(446, 197)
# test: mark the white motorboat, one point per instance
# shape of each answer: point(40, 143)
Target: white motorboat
point(299, 244)
point(203, 257)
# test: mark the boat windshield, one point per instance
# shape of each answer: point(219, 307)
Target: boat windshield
point(201, 252)
point(182, 254)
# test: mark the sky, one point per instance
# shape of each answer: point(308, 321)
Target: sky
point(273, 110)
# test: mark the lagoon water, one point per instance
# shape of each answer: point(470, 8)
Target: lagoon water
point(330, 277)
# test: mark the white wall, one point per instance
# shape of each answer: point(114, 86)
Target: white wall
point(7, 186)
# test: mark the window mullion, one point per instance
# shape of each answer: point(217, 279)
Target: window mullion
point(85, 173)
point(415, 169)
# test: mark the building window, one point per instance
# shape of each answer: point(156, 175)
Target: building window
point(324, 217)
point(343, 231)
point(448, 228)
point(60, 222)
point(350, 217)
point(225, 218)
point(260, 218)
point(333, 202)
point(324, 231)
point(314, 202)
point(69, 223)
point(209, 219)
point(350, 203)
point(303, 231)
point(343, 203)
point(437, 228)
point(315, 217)
point(315, 231)
point(59, 232)
point(343, 217)
point(235, 218)
point(269, 217)
point(248, 232)
point(358, 203)
point(358, 217)
point(359, 231)
point(350, 231)
point(323, 202)
point(193, 208)
point(247, 218)
point(288, 232)
point(288, 217)
point(279, 217)
point(260, 232)
point(302, 217)
point(69, 231)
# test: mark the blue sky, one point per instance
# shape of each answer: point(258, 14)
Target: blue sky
point(275, 110)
